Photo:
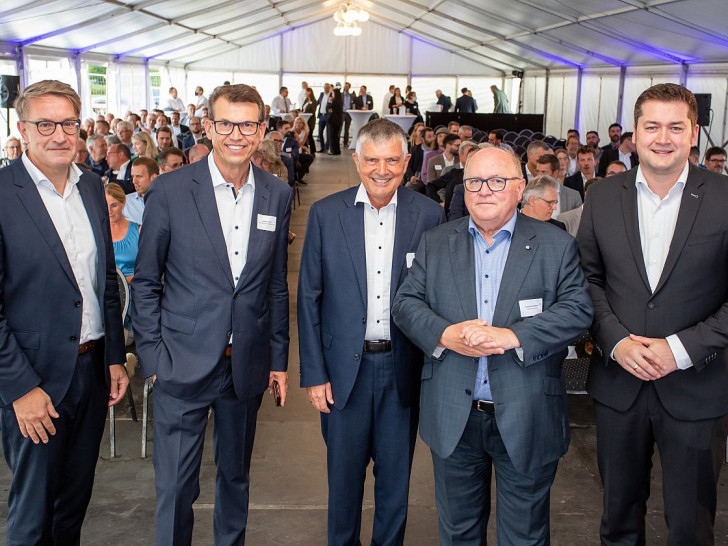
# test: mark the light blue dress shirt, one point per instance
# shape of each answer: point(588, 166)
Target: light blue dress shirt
point(489, 264)
point(134, 208)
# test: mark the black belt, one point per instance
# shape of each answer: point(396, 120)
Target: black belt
point(86, 347)
point(486, 406)
point(379, 346)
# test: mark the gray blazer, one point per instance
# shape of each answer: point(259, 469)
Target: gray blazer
point(529, 393)
point(569, 199)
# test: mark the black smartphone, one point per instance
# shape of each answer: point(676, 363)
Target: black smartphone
point(276, 393)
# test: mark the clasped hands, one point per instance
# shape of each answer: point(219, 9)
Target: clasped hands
point(645, 358)
point(476, 338)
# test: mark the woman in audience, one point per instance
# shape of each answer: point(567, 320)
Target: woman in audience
point(301, 132)
point(415, 136)
point(144, 145)
point(412, 107)
point(563, 157)
point(396, 101)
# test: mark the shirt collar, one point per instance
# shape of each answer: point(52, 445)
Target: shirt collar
point(680, 183)
point(508, 227)
point(74, 173)
point(216, 175)
point(363, 197)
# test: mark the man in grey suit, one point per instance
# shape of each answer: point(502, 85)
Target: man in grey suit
point(492, 390)
point(211, 314)
point(548, 165)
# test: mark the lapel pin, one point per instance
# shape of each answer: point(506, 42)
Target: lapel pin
point(692, 194)
point(528, 247)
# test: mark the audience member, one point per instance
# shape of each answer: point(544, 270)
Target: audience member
point(119, 159)
point(170, 159)
point(413, 175)
point(364, 101)
point(396, 101)
point(178, 129)
point(197, 152)
point(164, 138)
point(454, 182)
point(188, 115)
point(592, 139)
point(302, 95)
point(97, 149)
point(564, 162)
point(572, 218)
point(615, 167)
point(624, 153)
point(465, 132)
point(453, 127)
point(13, 150)
point(125, 130)
point(615, 133)
point(144, 145)
point(277, 138)
point(174, 103)
point(143, 172)
point(535, 150)
point(587, 165)
point(195, 134)
point(572, 146)
point(124, 234)
point(415, 137)
point(715, 157)
point(440, 164)
point(548, 165)
point(694, 157)
point(540, 199)
point(82, 157)
point(102, 127)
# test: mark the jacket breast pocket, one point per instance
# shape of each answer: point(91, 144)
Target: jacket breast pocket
point(27, 339)
point(178, 323)
point(326, 339)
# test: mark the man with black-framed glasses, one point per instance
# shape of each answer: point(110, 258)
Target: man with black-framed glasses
point(214, 333)
point(60, 322)
point(493, 312)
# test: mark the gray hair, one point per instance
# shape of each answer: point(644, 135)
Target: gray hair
point(537, 145)
point(515, 162)
point(112, 139)
point(379, 131)
point(124, 125)
point(537, 187)
point(91, 139)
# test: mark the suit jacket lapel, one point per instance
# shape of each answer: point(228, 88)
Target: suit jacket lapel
point(204, 196)
point(33, 203)
point(632, 226)
point(520, 255)
point(462, 262)
point(94, 216)
point(352, 223)
point(689, 205)
point(403, 233)
point(261, 205)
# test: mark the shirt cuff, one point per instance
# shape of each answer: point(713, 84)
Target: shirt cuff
point(682, 358)
point(611, 355)
point(437, 353)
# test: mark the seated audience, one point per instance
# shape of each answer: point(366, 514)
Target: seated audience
point(81, 158)
point(143, 171)
point(592, 139)
point(436, 150)
point(540, 198)
point(102, 128)
point(197, 153)
point(453, 177)
point(195, 134)
point(694, 157)
point(715, 157)
point(441, 164)
point(178, 129)
point(170, 159)
point(625, 153)
point(277, 139)
point(88, 126)
point(615, 132)
point(188, 116)
point(125, 130)
point(564, 162)
point(453, 127)
point(572, 218)
point(569, 199)
point(614, 168)
point(124, 233)
point(13, 150)
point(164, 138)
point(572, 147)
point(271, 161)
point(587, 169)
point(535, 150)
point(144, 146)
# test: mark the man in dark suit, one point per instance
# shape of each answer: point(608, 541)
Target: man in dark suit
point(493, 301)
point(119, 159)
point(586, 158)
point(97, 149)
point(364, 101)
point(360, 371)
point(615, 133)
point(654, 248)
point(625, 153)
point(465, 103)
point(541, 198)
point(323, 116)
point(60, 322)
point(211, 314)
point(194, 136)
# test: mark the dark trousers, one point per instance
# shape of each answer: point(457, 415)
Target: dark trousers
point(462, 491)
point(691, 454)
point(322, 131)
point(347, 124)
point(179, 432)
point(51, 483)
point(373, 425)
point(334, 135)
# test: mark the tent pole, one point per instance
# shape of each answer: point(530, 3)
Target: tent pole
point(546, 100)
point(147, 86)
point(684, 67)
point(620, 93)
point(577, 110)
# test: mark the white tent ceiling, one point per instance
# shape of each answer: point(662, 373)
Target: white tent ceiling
point(500, 36)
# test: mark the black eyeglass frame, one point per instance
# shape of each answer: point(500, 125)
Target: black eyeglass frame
point(487, 181)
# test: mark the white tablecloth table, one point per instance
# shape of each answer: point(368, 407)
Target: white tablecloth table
point(359, 119)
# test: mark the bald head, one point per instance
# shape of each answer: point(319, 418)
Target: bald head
point(197, 152)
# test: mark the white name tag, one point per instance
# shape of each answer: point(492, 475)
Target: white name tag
point(289, 150)
point(410, 259)
point(530, 308)
point(266, 223)
point(438, 167)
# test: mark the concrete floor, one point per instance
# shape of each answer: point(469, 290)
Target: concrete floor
point(288, 474)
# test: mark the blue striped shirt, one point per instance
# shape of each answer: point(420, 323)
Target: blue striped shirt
point(489, 264)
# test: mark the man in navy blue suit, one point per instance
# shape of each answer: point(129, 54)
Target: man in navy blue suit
point(211, 314)
point(360, 371)
point(60, 322)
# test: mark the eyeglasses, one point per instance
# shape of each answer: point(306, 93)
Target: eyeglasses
point(246, 128)
point(495, 183)
point(550, 203)
point(47, 127)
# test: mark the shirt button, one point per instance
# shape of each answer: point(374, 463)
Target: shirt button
point(377, 322)
point(378, 297)
point(236, 252)
point(379, 272)
point(487, 251)
point(236, 227)
point(468, 392)
point(651, 305)
point(485, 301)
point(381, 223)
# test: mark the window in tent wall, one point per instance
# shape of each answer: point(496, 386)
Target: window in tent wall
point(61, 69)
point(481, 92)
point(425, 88)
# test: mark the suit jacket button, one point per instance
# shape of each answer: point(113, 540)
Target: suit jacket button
point(364, 320)
point(468, 392)
point(77, 304)
point(651, 305)
point(236, 295)
point(356, 356)
point(72, 339)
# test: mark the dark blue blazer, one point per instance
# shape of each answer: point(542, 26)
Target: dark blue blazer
point(332, 291)
point(40, 302)
point(186, 302)
point(187, 141)
point(126, 183)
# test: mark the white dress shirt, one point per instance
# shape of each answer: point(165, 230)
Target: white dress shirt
point(280, 105)
point(200, 103)
point(626, 159)
point(175, 104)
point(70, 219)
point(379, 228)
point(657, 220)
point(121, 173)
point(385, 104)
point(301, 98)
point(573, 166)
point(236, 212)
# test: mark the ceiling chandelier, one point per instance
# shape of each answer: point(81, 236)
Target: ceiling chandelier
point(348, 17)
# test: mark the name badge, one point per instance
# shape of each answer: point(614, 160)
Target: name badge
point(266, 223)
point(289, 150)
point(410, 259)
point(530, 308)
point(438, 167)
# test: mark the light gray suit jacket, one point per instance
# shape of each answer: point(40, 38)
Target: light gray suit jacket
point(571, 219)
point(436, 167)
point(569, 199)
point(529, 393)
